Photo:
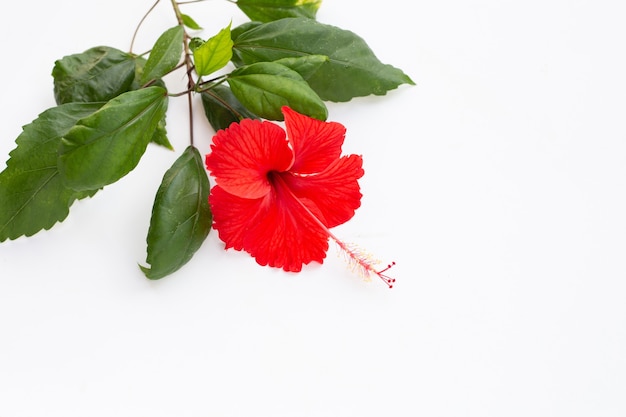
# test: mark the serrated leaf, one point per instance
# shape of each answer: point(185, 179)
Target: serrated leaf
point(165, 54)
point(181, 217)
point(269, 10)
point(222, 108)
point(351, 71)
point(103, 147)
point(265, 87)
point(33, 196)
point(190, 23)
point(213, 54)
point(98, 74)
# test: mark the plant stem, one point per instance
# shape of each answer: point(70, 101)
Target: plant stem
point(132, 42)
point(189, 66)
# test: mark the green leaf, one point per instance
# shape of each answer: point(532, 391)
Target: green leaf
point(160, 135)
point(213, 54)
point(165, 54)
point(190, 23)
point(265, 87)
point(98, 74)
point(222, 108)
point(181, 217)
point(140, 64)
point(33, 196)
point(351, 71)
point(269, 10)
point(103, 147)
point(244, 27)
point(195, 43)
point(304, 65)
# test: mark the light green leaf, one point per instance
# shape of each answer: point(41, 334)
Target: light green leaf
point(181, 218)
point(269, 10)
point(33, 196)
point(103, 147)
point(213, 54)
point(265, 87)
point(98, 74)
point(352, 69)
point(165, 54)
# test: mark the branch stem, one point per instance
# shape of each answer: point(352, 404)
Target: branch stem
point(132, 42)
point(189, 65)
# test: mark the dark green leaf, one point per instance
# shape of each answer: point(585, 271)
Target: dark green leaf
point(165, 54)
point(269, 10)
point(190, 23)
point(160, 135)
point(98, 74)
point(213, 54)
point(103, 147)
point(265, 87)
point(351, 71)
point(140, 64)
point(222, 107)
point(244, 27)
point(181, 218)
point(33, 196)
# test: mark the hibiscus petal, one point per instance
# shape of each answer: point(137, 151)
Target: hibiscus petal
point(276, 229)
point(232, 216)
point(334, 193)
point(287, 236)
point(315, 143)
point(243, 154)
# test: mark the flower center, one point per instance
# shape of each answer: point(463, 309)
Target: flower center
point(272, 177)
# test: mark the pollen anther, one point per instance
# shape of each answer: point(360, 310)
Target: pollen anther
point(362, 262)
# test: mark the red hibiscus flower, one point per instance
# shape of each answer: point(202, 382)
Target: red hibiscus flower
point(278, 193)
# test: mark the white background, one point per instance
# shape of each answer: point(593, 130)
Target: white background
point(497, 184)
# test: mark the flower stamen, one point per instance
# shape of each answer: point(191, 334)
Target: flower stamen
point(363, 263)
